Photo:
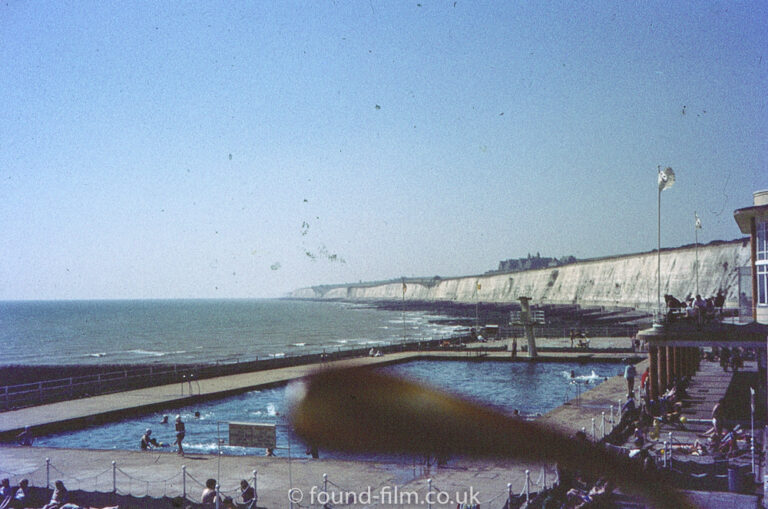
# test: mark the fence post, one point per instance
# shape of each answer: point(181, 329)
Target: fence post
point(218, 496)
point(544, 477)
point(602, 425)
point(114, 477)
point(47, 473)
point(612, 423)
point(593, 429)
point(527, 485)
point(184, 481)
point(665, 454)
point(670, 449)
point(255, 492)
point(509, 493)
point(429, 490)
point(325, 483)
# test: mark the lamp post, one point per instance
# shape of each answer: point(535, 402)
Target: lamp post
point(477, 306)
point(405, 287)
point(666, 179)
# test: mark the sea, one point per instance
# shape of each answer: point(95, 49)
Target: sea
point(199, 331)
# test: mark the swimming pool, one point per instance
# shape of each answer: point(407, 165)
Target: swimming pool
point(532, 388)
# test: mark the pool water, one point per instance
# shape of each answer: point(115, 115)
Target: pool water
point(531, 388)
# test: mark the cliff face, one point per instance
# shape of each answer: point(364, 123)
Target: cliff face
point(628, 280)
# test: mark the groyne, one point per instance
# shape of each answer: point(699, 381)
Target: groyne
point(620, 281)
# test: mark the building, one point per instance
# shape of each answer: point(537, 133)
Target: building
point(754, 221)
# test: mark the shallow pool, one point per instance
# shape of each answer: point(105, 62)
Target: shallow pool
point(532, 388)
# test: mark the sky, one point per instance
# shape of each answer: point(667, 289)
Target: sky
point(247, 149)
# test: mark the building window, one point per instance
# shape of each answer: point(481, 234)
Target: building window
point(762, 241)
point(761, 264)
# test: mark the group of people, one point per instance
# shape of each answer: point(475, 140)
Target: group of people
point(574, 490)
point(728, 358)
point(19, 498)
point(13, 498)
point(247, 497)
point(581, 336)
point(700, 309)
point(148, 442)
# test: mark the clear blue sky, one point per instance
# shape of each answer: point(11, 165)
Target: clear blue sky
point(227, 149)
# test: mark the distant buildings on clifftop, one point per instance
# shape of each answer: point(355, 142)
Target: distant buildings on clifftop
point(532, 263)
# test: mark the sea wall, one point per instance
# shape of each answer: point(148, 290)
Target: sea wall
point(625, 281)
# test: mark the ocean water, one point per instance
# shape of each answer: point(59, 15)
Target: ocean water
point(191, 331)
point(532, 388)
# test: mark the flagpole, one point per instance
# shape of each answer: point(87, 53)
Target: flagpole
point(696, 231)
point(665, 180)
point(658, 258)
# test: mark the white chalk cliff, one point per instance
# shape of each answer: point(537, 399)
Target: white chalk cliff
point(628, 280)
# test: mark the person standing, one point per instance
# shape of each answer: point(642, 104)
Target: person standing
point(181, 431)
point(629, 374)
point(644, 382)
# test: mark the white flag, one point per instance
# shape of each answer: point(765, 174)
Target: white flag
point(698, 221)
point(666, 178)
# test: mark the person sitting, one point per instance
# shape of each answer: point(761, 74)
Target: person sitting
point(709, 309)
point(674, 307)
point(59, 497)
point(19, 500)
point(209, 493)
point(719, 301)
point(247, 494)
point(147, 441)
point(5, 491)
point(736, 360)
point(725, 358)
point(639, 439)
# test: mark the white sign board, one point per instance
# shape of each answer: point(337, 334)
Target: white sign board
point(250, 434)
